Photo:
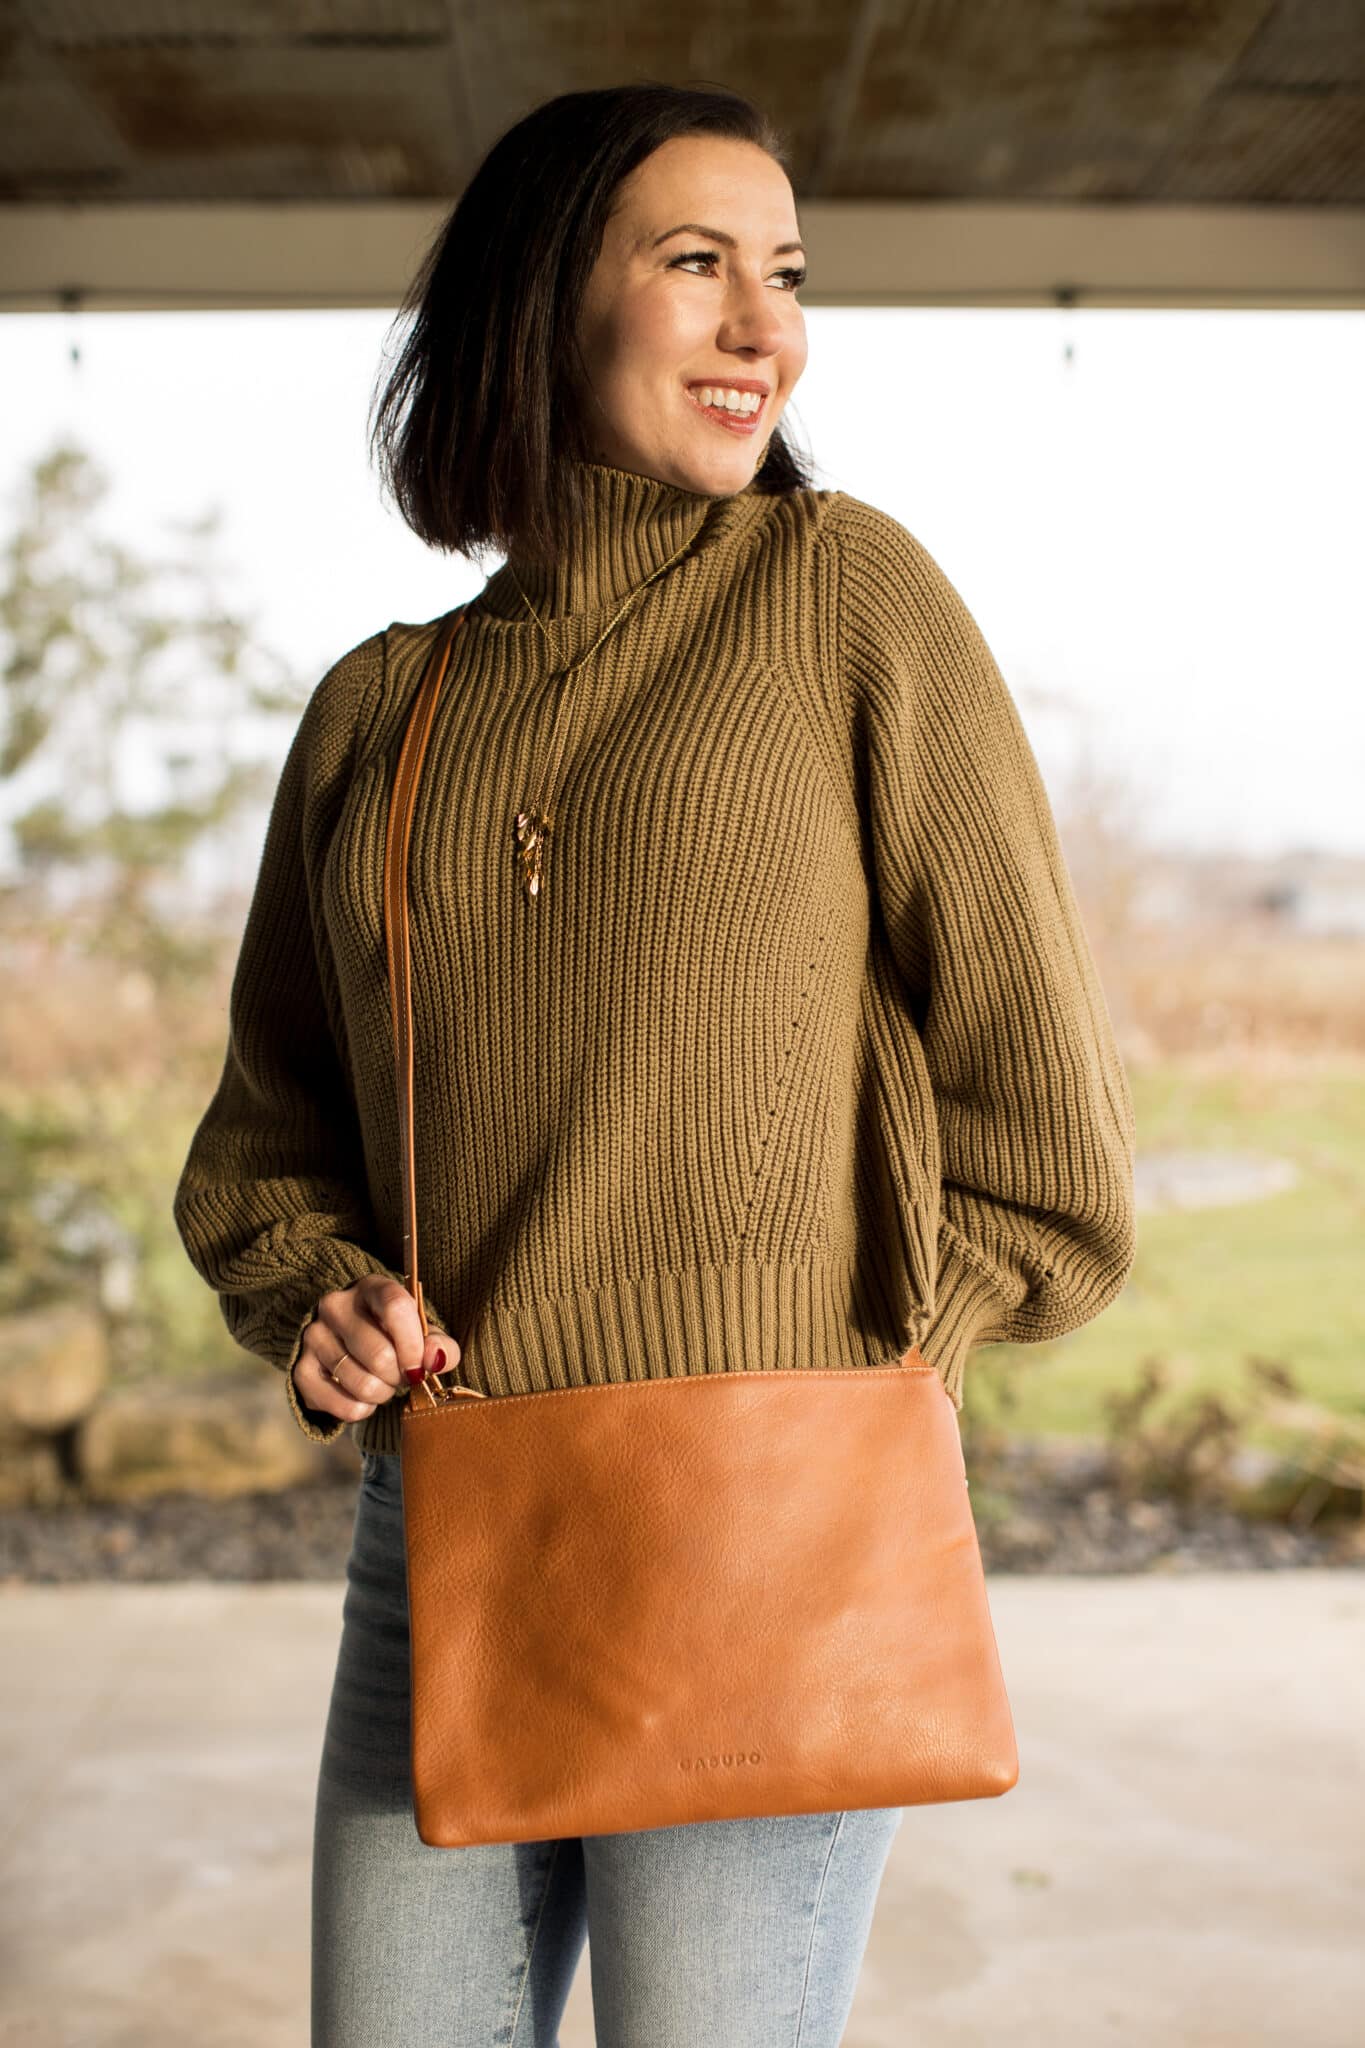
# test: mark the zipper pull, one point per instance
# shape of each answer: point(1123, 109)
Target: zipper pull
point(440, 1392)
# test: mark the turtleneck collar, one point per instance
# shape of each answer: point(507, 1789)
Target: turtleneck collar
point(631, 525)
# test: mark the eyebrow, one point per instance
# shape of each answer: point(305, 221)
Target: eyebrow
point(693, 227)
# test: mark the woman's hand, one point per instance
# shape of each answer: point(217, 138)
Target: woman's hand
point(361, 1347)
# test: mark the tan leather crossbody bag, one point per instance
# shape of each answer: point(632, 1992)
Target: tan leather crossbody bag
point(700, 1597)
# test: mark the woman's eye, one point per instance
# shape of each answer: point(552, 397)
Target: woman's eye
point(794, 276)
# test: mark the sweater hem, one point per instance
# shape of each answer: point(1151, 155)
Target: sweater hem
point(750, 1316)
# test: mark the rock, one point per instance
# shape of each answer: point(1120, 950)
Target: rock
point(1208, 1180)
point(1259, 1483)
point(302, 1532)
point(216, 1437)
point(31, 1474)
point(1023, 1538)
point(54, 1365)
point(1071, 1463)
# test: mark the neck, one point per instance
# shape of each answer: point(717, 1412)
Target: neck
point(630, 526)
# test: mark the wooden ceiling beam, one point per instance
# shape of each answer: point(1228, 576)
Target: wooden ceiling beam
point(882, 253)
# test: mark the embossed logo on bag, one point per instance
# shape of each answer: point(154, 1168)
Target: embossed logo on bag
point(725, 1759)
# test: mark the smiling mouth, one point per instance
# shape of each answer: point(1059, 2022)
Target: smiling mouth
point(740, 416)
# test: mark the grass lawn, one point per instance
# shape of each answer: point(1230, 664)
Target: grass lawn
point(1280, 1279)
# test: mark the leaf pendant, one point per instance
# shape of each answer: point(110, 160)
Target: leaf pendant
point(532, 830)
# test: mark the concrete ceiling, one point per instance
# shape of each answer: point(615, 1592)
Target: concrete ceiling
point(991, 151)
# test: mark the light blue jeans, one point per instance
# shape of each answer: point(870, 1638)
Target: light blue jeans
point(716, 1934)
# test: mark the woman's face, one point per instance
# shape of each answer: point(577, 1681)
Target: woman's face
point(693, 296)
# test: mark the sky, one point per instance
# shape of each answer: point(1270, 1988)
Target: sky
point(1156, 517)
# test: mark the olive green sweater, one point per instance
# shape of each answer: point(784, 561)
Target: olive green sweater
point(801, 1057)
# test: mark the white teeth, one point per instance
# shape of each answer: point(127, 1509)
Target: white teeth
point(732, 401)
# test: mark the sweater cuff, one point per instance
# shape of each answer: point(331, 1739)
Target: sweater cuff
point(317, 1425)
point(966, 1304)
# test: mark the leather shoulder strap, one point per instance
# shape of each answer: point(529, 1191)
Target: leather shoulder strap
point(401, 804)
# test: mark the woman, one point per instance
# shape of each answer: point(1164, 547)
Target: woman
point(755, 1022)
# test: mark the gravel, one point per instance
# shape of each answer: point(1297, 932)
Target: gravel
point(1035, 1512)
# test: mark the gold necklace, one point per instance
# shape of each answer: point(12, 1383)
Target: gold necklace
point(532, 825)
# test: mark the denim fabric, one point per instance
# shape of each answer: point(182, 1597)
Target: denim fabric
point(717, 1934)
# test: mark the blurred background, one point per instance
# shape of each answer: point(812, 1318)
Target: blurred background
point(1086, 312)
point(1156, 517)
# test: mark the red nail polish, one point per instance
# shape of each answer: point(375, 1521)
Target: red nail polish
point(440, 1364)
point(414, 1374)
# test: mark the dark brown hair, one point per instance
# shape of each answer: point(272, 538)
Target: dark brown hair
point(477, 417)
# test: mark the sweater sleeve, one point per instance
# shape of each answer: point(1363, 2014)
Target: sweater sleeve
point(1035, 1119)
point(271, 1204)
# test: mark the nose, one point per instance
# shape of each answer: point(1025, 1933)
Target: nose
point(752, 322)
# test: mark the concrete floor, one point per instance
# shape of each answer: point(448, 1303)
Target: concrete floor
point(1182, 1860)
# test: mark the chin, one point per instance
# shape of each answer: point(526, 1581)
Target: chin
point(713, 471)
point(719, 471)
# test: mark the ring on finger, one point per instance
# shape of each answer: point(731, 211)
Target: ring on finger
point(329, 1372)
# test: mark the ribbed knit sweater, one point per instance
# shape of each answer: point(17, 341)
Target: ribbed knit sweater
point(801, 1058)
